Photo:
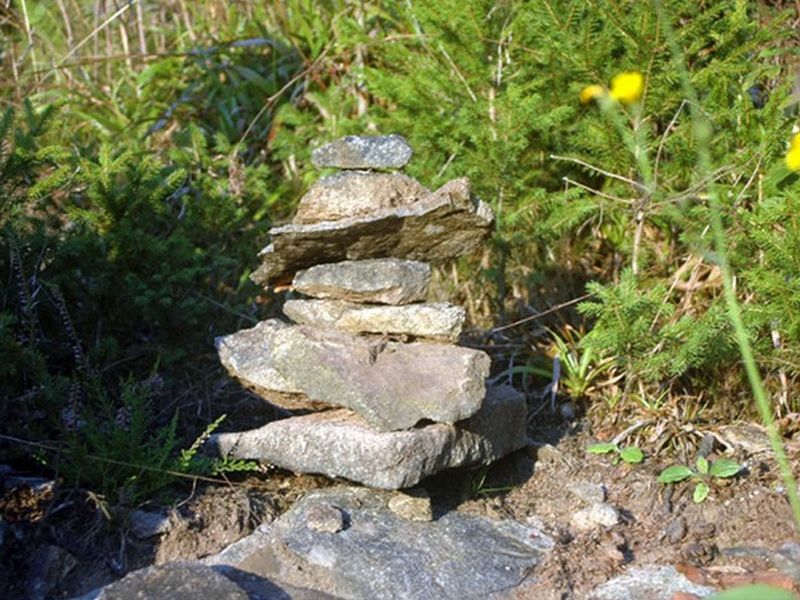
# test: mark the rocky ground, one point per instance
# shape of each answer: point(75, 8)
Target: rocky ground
point(597, 522)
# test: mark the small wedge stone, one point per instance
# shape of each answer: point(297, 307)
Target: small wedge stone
point(439, 321)
point(364, 152)
point(377, 280)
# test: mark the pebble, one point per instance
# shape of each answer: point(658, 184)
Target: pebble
point(675, 531)
point(325, 518)
point(590, 493)
point(597, 515)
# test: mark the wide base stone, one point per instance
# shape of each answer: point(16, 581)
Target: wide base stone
point(379, 554)
point(437, 321)
point(341, 444)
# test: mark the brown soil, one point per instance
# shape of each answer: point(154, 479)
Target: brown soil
point(731, 538)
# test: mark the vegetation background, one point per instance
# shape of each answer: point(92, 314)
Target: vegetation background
point(146, 147)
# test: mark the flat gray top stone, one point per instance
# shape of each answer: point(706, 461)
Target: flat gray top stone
point(436, 321)
point(391, 385)
point(354, 193)
point(447, 223)
point(339, 443)
point(375, 280)
point(364, 152)
point(382, 555)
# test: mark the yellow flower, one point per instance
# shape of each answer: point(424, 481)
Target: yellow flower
point(627, 87)
point(795, 143)
point(592, 92)
point(793, 159)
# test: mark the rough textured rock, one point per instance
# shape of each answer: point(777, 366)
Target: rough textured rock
point(364, 152)
point(355, 193)
point(439, 321)
point(247, 355)
point(377, 280)
point(447, 223)
point(653, 582)
point(145, 524)
point(380, 555)
point(372, 376)
point(175, 581)
point(341, 444)
point(595, 515)
point(414, 505)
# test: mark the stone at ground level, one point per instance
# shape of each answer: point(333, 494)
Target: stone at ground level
point(382, 555)
point(652, 582)
point(376, 280)
point(364, 152)
point(247, 355)
point(443, 225)
point(341, 444)
point(437, 321)
point(175, 581)
point(391, 385)
point(357, 193)
point(190, 580)
point(596, 515)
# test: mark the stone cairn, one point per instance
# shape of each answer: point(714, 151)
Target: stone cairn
point(385, 396)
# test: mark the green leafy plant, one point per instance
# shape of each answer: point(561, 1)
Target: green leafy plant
point(629, 454)
point(703, 472)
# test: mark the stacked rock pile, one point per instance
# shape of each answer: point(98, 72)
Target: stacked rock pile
point(393, 399)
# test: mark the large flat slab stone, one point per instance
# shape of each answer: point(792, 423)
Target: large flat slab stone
point(247, 356)
point(443, 225)
point(354, 193)
point(381, 555)
point(341, 444)
point(376, 280)
point(364, 152)
point(438, 321)
point(391, 385)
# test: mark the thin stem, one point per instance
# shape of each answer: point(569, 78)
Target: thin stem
point(702, 132)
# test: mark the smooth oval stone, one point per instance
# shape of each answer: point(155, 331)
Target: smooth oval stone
point(364, 152)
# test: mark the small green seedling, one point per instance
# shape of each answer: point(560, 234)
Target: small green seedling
point(630, 454)
point(702, 474)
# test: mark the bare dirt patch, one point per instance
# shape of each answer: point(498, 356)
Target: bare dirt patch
point(739, 534)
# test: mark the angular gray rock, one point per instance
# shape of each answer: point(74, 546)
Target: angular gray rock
point(364, 152)
point(376, 280)
point(174, 581)
point(391, 385)
point(341, 444)
point(247, 355)
point(356, 193)
point(446, 224)
point(381, 555)
point(438, 321)
point(653, 582)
